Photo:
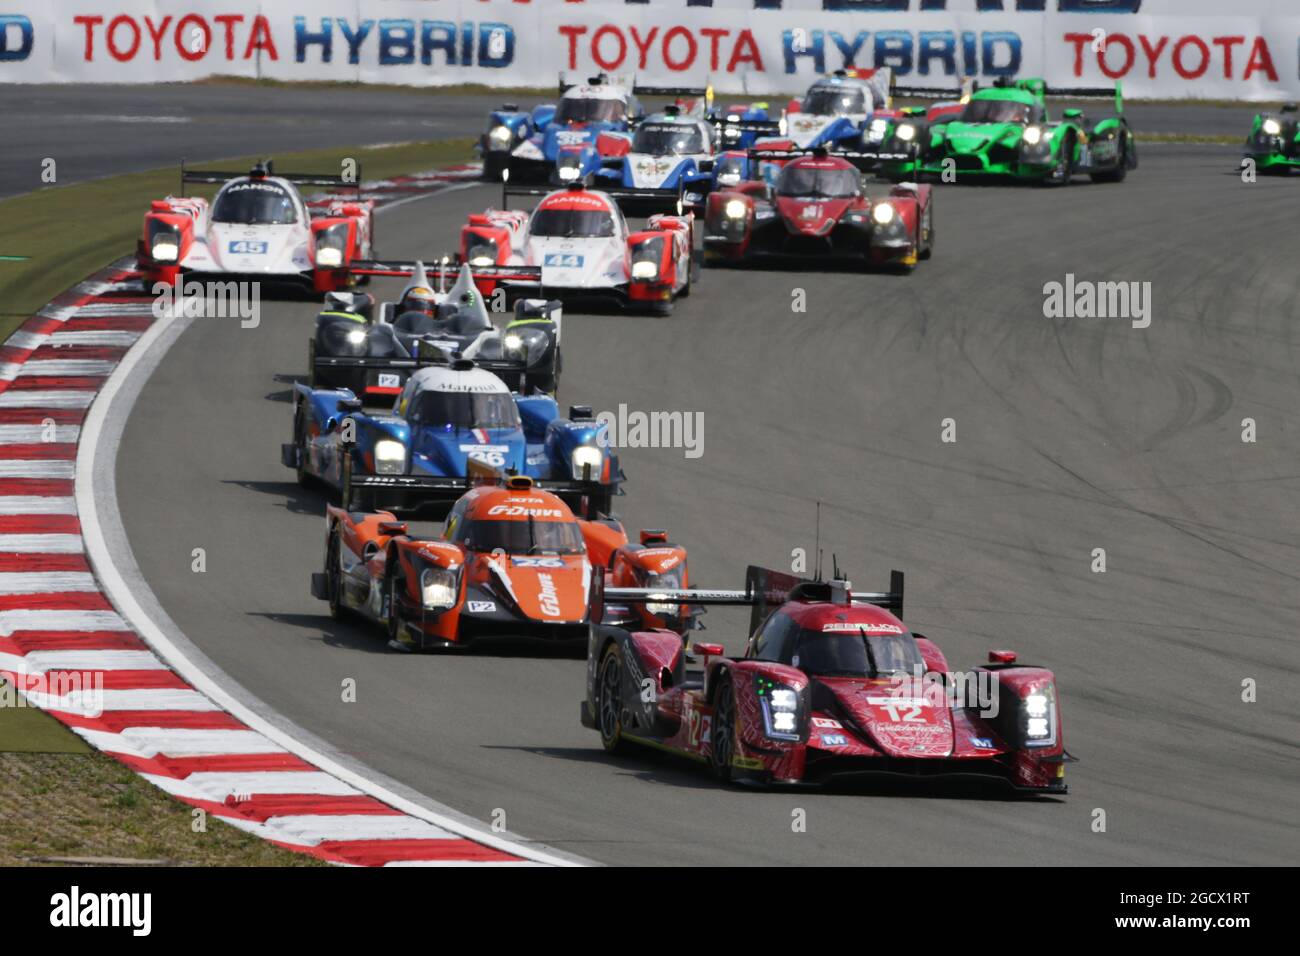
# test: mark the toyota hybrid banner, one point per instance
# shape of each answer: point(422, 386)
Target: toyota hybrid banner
point(1237, 49)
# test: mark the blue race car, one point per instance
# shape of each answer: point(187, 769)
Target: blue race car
point(526, 144)
point(597, 114)
point(451, 423)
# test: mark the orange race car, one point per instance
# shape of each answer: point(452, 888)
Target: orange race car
point(510, 561)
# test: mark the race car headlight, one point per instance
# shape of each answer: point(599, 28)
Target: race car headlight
point(165, 249)
point(735, 209)
point(390, 457)
point(882, 213)
point(586, 463)
point(480, 251)
point(164, 240)
point(1038, 717)
point(668, 581)
point(356, 336)
point(513, 343)
point(499, 137)
point(1271, 127)
point(646, 257)
point(437, 588)
point(568, 167)
point(905, 132)
point(1033, 135)
point(330, 244)
point(780, 706)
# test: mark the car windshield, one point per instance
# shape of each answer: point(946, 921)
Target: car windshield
point(466, 410)
point(855, 654)
point(668, 139)
point(525, 537)
point(995, 111)
point(816, 181)
point(834, 101)
point(572, 109)
point(253, 203)
point(572, 223)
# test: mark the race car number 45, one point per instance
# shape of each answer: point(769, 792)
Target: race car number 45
point(247, 247)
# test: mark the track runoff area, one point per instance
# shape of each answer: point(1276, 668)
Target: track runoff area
point(949, 424)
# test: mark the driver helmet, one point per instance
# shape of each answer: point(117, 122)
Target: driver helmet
point(418, 299)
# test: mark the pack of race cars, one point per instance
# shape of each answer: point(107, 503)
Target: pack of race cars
point(438, 408)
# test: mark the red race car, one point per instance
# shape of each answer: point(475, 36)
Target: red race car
point(817, 209)
point(577, 245)
point(510, 561)
point(258, 228)
point(831, 683)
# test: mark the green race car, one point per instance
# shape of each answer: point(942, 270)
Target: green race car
point(1274, 141)
point(1006, 130)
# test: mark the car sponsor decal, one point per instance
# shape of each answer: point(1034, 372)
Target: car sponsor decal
point(519, 511)
point(834, 740)
point(849, 627)
point(984, 742)
point(828, 722)
point(548, 598)
point(563, 260)
point(389, 380)
point(481, 607)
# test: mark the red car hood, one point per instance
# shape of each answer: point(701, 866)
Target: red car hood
point(900, 725)
point(811, 217)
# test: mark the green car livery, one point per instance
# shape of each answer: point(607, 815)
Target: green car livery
point(1274, 141)
point(1006, 130)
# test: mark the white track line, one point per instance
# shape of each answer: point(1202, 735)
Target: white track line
point(122, 598)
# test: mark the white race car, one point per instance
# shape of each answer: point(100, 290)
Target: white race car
point(836, 109)
point(577, 244)
point(257, 228)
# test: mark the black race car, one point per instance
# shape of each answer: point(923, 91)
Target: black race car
point(372, 354)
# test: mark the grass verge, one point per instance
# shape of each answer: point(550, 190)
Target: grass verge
point(62, 802)
point(68, 232)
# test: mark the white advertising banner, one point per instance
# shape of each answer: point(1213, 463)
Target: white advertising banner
point(1230, 49)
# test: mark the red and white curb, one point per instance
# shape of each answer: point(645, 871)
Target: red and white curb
point(76, 643)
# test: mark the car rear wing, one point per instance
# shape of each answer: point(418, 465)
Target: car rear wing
point(352, 181)
point(764, 591)
point(385, 376)
point(674, 91)
point(859, 158)
point(444, 270)
point(1115, 92)
point(761, 127)
point(410, 492)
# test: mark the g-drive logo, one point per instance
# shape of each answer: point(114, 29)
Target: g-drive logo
point(75, 909)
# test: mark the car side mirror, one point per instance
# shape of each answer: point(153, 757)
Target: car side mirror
point(391, 528)
point(1072, 114)
point(708, 650)
point(1002, 657)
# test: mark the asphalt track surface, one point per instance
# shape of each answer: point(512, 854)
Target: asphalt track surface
point(94, 130)
point(1071, 435)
